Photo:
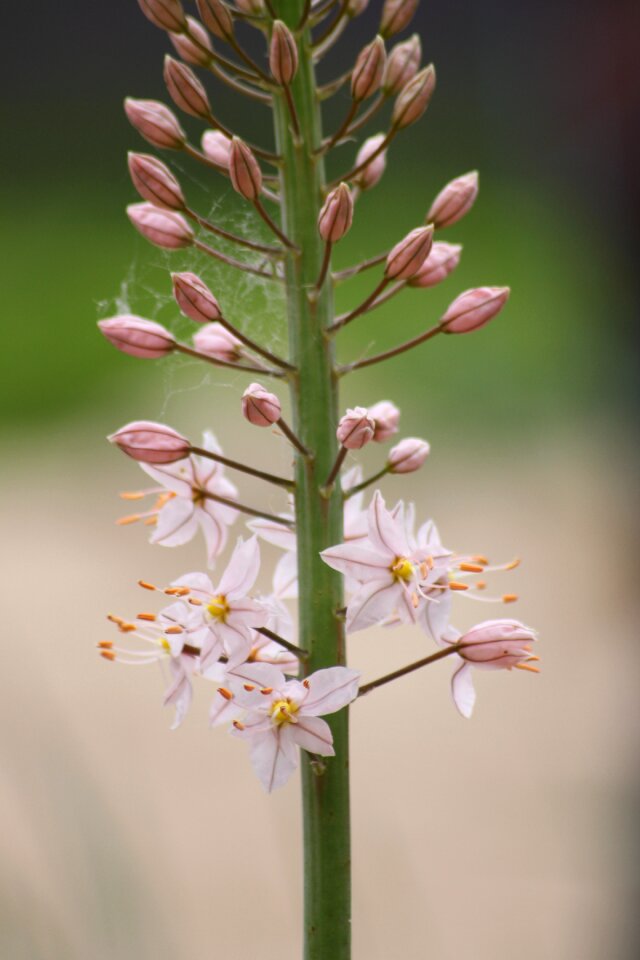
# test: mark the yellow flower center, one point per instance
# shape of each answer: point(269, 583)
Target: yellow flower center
point(402, 569)
point(164, 643)
point(218, 608)
point(283, 711)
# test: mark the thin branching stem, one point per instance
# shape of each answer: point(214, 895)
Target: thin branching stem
point(243, 508)
point(238, 264)
point(304, 16)
point(244, 468)
point(394, 352)
point(335, 470)
point(291, 647)
point(248, 342)
point(228, 364)
point(325, 265)
point(292, 438)
point(365, 163)
point(342, 129)
point(192, 151)
point(346, 318)
point(374, 107)
point(214, 57)
point(380, 682)
point(328, 89)
point(272, 225)
point(367, 483)
point(328, 34)
point(360, 267)
point(321, 11)
point(241, 241)
point(265, 155)
point(292, 109)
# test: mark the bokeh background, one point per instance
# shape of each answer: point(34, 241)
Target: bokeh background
point(515, 833)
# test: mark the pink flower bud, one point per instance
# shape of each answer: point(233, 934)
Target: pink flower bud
point(414, 99)
point(255, 7)
point(355, 429)
point(497, 644)
point(164, 228)
point(366, 76)
point(189, 50)
point(385, 416)
point(396, 14)
point(244, 170)
point(474, 308)
point(408, 455)
point(155, 122)
point(217, 147)
point(454, 201)
point(283, 53)
point(166, 14)
point(216, 18)
point(185, 89)
point(402, 65)
point(194, 298)
point(151, 442)
point(356, 7)
point(372, 173)
point(442, 261)
point(138, 337)
point(260, 407)
point(154, 182)
point(336, 216)
point(406, 258)
point(216, 341)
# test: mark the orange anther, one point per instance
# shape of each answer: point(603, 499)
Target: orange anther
point(249, 687)
point(479, 558)
point(175, 629)
point(267, 691)
point(146, 586)
point(105, 644)
point(176, 591)
point(238, 725)
point(132, 518)
point(132, 495)
point(514, 563)
point(471, 567)
point(195, 601)
point(146, 616)
point(415, 600)
point(532, 659)
point(527, 666)
point(225, 693)
point(108, 654)
point(454, 585)
point(481, 584)
point(126, 627)
point(305, 683)
point(509, 597)
point(113, 619)
point(150, 521)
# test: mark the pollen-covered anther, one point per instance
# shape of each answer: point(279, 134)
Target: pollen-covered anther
point(455, 585)
point(176, 629)
point(105, 644)
point(108, 654)
point(306, 684)
point(249, 687)
point(415, 601)
point(238, 725)
point(132, 495)
point(480, 558)
point(402, 569)
point(512, 566)
point(509, 597)
point(527, 666)
point(225, 693)
point(130, 518)
point(146, 616)
point(471, 567)
point(176, 591)
point(146, 586)
point(266, 691)
point(195, 602)
point(481, 584)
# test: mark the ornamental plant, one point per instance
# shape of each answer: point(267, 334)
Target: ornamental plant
point(274, 666)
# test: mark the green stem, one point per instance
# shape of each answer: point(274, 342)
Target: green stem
point(325, 796)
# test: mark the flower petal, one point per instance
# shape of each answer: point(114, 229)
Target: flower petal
point(180, 692)
point(464, 695)
point(373, 603)
point(242, 569)
point(386, 533)
point(272, 757)
point(285, 576)
point(275, 533)
point(177, 523)
point(314, 735)
point(176, 477)
point(359, 560)
point(329, 690)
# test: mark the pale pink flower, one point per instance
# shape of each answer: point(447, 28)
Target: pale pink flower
point(372, 173)
point(164, 228)
point(194, 298)
point(355, 429)
point(138, 337)
point(216, 341)
point(442, 261)
point(474, 308)
point(408, 455)
point(150, 442)
point(386, 417)
point(228, 614)
point(156, 123)
point(216, 145)
point(190, 51)
point(182, 507)
point(281, 715)
point(490, 645)
point(161, 640)
point(454, 200)
point(259, 406)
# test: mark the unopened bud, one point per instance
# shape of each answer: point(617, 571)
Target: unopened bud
point(454, 201)
point(406, 258)
point(164, 228)
point(355, 429)
point(402, 65)
point(185, 89)
point(188, 48)
point(414, 99)
point(474, 308)
point(408, 455)
point(216, 145)
point(216, 18)
point(372, 173)
point(336, 216)
point(244, 170)
point(255, 7)
point(396, 14)
point(138, 337)
point(151, 442)
point(366, 76)
point(166, 14)
point(356, 7)
point(194, 298)
point(154, 181)
point(155, 122)
point(385, 416)
point(216, 341)
point(283, 53)
point(442, 261)
point(497, 644)
point(260, 407)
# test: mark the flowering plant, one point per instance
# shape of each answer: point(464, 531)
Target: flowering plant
point(273, 676)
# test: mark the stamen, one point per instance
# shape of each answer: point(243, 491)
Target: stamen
point(415, 600)
point(238, 725)
point(454, 585)
point(195, 601)
point(481, 584)
point(175, 629)
point(509, 597)
point(132, 518)
point(305, 683)
point(471, 567)
point(150, 521)
point(225, 693)
point(146, 586)
point(176, 591)
point(105, 644)
point(479, 558)
point(514, 563)
point(527, 666)
point(132, 495)
point(108, 654)
point(146, 616)
point(266, 691)
point(249, 687)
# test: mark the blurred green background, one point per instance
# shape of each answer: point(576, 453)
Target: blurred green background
point(127, 842)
